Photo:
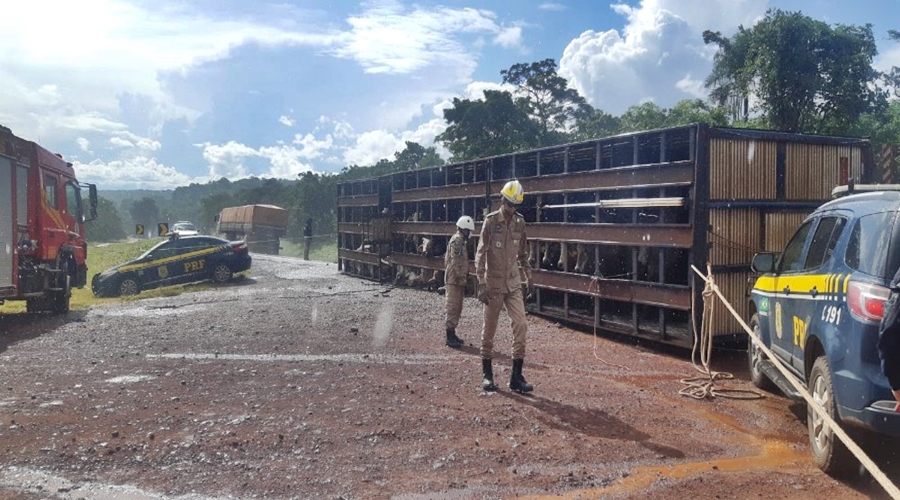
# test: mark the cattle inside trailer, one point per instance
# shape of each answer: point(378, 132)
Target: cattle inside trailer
point(614, 224)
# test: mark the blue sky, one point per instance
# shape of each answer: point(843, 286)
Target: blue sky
point(143, 94)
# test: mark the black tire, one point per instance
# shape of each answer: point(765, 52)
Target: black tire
point(756, 357)
point(829, 453)
point(221, 273)
point(34, 305)
point(129, 285)
point(60, 300)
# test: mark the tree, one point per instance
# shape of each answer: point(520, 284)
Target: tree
point(146, 212)
point(646, 116)
point(210, 206)
point(546, 98)
point(695, 111)
point(416, 156)
point(593, 123)
point(108, 224)
point(806, 76)
point(487, 127)
point(893, 78)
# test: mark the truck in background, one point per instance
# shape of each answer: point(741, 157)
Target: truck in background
point(261, 226)
point(43, 252)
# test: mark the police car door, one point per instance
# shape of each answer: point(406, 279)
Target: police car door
point(815, 302)
point(790, 270)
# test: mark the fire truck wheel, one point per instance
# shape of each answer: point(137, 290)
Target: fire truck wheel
point(61, 299)
point(129, 286)
point(222, 273)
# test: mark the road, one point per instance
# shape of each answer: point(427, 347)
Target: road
point(299, 382)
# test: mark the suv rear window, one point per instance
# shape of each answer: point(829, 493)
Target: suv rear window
point(869, 242)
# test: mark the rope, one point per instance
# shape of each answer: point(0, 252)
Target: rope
point(704, 387)
point(594, 290)
point(860, 455)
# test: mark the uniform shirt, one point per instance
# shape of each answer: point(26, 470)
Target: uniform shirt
point(456, 261)
point(502, 251)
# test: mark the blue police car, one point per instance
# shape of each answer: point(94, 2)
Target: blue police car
point(176, 260)
point(817, 306)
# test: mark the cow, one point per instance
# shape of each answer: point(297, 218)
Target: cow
point(550, 252)
point(584, 259)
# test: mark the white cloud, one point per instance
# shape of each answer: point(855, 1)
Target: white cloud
point(140, 172)
point(661, 38)
point(285, 161)
point(372, 146)
point(312, 148)
point(120, 47)
point(121, 143)
point(387, 38)
point(230, 160)
point(227, 160)
point(83, 144)
point(509, 37)
point(552, 6)
point(287, 122)
point(693, 86)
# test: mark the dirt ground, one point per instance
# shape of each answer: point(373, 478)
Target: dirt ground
point(299, 382)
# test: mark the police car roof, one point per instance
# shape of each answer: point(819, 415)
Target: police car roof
point(865, 193)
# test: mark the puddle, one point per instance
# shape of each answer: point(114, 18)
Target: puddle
point(776, 455)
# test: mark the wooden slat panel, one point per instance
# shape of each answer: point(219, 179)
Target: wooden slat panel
point(735, 235)
point(780, 227)
point(742, 169)
point(734, 287)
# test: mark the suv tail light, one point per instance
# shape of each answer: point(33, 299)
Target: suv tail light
point(867, 300)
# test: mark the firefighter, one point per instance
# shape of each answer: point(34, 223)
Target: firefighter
point(501, 265)
point(456, 260)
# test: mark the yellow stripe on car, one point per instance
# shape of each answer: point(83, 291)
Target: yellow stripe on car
point(157, 262)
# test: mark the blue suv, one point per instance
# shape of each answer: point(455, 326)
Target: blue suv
point(817, 306)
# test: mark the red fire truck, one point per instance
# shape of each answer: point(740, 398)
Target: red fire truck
point(42, 247)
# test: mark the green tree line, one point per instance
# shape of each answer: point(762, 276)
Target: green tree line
point(788, 72)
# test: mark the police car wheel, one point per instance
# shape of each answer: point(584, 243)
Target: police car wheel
point(222, 273)
point(755, 359)
point(829, 452)
point(129, 286)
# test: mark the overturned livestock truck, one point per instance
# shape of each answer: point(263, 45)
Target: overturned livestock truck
point(614, 224)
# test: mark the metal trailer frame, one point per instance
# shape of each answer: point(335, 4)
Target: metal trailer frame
point(648, 204)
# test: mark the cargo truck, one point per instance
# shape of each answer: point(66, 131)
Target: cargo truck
point(261, 226)
point(43, 252)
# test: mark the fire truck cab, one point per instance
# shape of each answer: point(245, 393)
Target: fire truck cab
point(43, 252)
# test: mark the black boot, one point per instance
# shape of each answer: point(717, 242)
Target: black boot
point(517, 382)
point(487, 381)
point(452, 339)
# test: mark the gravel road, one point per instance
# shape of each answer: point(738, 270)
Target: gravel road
point(299, 382)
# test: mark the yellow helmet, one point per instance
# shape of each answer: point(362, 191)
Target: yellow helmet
point(513, 192)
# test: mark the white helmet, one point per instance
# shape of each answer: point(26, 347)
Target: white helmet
point(466, 222)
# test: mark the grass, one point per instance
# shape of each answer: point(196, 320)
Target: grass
point(324, 248)
point(106, 255)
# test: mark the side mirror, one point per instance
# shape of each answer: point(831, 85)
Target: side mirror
point(763, 262)
point(92, 196)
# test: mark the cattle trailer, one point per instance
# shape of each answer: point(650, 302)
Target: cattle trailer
point(614, 224)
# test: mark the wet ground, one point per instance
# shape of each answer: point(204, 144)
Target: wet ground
point(302, 383)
